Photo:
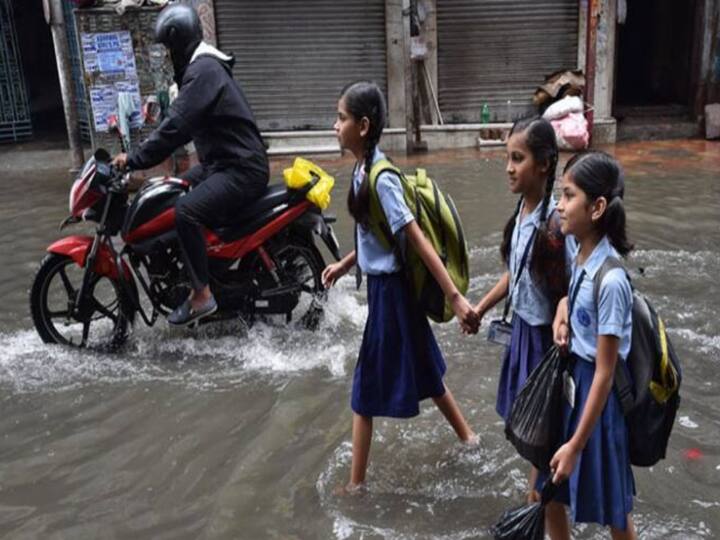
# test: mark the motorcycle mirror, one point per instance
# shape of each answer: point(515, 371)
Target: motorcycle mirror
point(151, 110)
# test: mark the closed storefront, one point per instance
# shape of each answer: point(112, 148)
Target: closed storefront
point(496, 52)
point(293, 58)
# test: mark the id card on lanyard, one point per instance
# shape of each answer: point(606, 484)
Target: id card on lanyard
point(500, 330)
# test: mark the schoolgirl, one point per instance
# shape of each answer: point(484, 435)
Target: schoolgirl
point(595, 458)
point(399, 363)
point(533, 250)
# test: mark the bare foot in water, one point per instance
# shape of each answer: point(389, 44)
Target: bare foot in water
point(350, 490)
point(472, 440)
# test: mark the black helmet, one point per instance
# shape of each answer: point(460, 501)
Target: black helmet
point(177, 27)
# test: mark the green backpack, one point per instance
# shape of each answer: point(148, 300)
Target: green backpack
point(438, 219)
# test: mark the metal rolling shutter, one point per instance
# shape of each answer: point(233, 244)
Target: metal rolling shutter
point(492, 51)
point(293, 58)
point(15, 121)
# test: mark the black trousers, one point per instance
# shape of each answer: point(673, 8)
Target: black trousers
point(216, 199)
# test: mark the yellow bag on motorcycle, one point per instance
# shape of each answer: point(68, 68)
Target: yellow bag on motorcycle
point(304, 172)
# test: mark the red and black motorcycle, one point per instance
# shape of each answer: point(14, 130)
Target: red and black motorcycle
point(88, 289)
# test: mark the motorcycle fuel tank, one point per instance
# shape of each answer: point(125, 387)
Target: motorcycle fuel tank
point(151, 203)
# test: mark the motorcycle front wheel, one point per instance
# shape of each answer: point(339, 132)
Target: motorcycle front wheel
point(100, 321)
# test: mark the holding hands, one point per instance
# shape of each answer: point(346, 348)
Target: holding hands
point(467, 317)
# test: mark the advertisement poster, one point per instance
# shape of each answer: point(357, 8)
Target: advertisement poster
point(109, 62)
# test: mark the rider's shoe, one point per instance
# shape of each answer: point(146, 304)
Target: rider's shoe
point(185, 314)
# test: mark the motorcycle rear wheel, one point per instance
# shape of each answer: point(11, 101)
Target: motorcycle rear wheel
point(302, 264)
point(103, 321)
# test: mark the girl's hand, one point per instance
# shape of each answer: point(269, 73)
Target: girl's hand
point(561, 335)
point(563, 462)
point(561, 330)
point(480, 311)
point(332, 273)
point(468, 319)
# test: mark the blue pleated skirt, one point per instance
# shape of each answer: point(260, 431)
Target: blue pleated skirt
point(528, 345)
point(601, 488)
point(399, 363)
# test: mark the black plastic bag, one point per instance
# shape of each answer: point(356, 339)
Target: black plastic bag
point(525, 522)
point(535, 423)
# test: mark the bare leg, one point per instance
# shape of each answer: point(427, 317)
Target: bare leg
point(361, 438)
point(627, 534)
point(451, 411)
point(556, 521)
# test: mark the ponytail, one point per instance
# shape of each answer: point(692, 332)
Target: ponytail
point(613, 224)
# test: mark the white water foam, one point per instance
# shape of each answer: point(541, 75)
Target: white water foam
point(685, 421)
point(213, 357)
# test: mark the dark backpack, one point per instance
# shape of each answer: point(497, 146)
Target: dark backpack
point(648, 383)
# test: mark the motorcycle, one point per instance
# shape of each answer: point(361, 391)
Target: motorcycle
point(87, 289)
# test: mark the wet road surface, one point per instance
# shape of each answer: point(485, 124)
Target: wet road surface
point(227, 432)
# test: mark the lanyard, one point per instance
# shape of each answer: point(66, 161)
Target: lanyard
point(518, 272)
point(573, 296)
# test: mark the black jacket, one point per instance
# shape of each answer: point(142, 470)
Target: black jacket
point(211, 110)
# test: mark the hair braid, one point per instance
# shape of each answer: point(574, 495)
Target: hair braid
point(547, 264)
point(365, 100)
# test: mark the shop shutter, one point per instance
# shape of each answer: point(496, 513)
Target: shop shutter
point(15, 121)
point(293, 58)
point(492, 51)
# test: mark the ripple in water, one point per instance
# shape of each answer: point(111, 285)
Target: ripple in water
point(423, 483)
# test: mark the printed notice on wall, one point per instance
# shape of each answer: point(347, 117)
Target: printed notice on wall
point(109, 62)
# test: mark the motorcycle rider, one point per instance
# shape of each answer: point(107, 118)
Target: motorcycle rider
point(212, 111)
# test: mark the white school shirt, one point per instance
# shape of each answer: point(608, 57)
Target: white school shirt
point(613, 315)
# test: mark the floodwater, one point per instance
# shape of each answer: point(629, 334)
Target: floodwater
point(236, 433)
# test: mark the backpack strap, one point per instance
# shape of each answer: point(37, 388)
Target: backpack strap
point(378, 220)
point(622, 382)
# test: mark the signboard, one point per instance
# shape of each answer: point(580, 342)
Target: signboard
point(109, 62)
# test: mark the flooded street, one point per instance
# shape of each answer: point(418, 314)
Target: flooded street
point(229, 432)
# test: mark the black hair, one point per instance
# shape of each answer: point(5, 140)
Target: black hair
point(547, 265)
point(598, 174)
point(364, 99)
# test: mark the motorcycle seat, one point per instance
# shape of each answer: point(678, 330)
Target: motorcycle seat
point(276, 195)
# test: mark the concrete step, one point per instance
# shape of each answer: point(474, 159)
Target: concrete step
point(672, 110)
point(651, 129)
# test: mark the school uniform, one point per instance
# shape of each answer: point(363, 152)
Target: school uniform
point(532, 312)
point(601, 487)
point(399, 363)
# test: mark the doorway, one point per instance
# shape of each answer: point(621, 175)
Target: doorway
point(655, 51)
point(39, 69)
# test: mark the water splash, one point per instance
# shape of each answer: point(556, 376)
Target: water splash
point(212, 357)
